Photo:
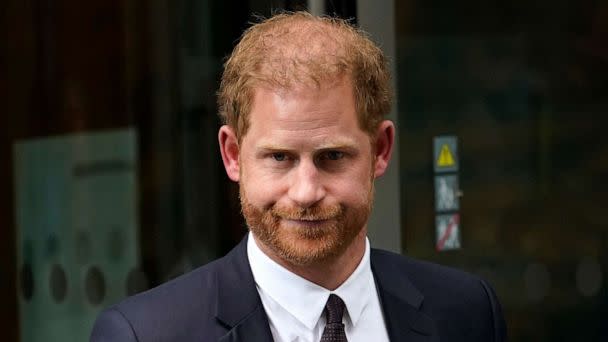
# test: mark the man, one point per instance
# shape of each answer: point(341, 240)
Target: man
point(304, 100)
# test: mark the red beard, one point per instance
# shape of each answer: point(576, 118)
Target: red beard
point(306, 236)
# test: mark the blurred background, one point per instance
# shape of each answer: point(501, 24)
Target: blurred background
point(111, 178)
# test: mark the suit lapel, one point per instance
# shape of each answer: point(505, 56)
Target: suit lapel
point(401, 302)
point(240, 310)
point(238, 305)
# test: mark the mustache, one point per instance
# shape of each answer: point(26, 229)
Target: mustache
point(316, 213)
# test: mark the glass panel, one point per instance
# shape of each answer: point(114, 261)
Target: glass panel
point(523, 87)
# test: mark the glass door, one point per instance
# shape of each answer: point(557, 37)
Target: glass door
point(521, 88)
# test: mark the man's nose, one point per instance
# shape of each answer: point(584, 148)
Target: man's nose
point(306, 187)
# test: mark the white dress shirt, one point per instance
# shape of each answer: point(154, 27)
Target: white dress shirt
point(295, 305)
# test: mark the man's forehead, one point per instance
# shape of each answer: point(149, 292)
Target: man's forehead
point(304, 105)
point(322, 144)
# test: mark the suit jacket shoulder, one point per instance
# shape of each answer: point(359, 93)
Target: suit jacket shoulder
point(450, 303)
point(210, 303)
point(169, 312)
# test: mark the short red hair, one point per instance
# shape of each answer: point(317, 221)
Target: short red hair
point(291, 49)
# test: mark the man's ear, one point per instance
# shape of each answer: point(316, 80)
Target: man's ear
point(385, 139)
point(229, 148)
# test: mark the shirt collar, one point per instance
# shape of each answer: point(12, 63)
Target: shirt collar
point(304, 299)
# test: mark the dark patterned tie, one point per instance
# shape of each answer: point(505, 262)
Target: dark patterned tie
point(334, 330)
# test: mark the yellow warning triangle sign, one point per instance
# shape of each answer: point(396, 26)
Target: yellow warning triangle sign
point(445, 157)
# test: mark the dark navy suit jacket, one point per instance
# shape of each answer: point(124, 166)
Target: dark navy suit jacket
point(219, 302)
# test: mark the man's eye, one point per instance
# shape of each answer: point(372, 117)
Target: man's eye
point(279, 156)
point(334, 155)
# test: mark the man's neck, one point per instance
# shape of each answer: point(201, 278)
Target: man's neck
point(329, 274)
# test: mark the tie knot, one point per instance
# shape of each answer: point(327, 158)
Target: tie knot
point(335, 309)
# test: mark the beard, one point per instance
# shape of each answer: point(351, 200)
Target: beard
point(307, 236)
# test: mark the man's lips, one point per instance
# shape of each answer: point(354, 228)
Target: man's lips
point(305, 222)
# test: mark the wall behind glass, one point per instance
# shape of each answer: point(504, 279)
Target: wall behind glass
point(523, 85)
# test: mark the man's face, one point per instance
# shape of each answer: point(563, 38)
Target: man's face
point(306, 172)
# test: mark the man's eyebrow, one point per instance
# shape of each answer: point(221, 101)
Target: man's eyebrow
point(341, 146)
